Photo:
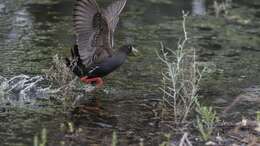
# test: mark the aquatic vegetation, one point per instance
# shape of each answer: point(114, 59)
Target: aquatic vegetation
point(43, 138)
point(184, 140)
point(206, 121)
point(59, 73)
point(181, 78)
point(258, 116)
point(258, 121)
point(168, 140)
point(114, 139)
point(68, 88)
point(141, 142)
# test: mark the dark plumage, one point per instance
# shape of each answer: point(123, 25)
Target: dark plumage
point(93, 56)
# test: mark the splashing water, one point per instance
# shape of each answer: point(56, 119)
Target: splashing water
point(23, 89)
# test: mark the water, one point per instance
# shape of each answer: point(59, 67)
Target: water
point(31, 32)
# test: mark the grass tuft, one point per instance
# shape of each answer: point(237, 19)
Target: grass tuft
point(206, 120)
point(114, 139)
point(68, 88)
point(43, 138)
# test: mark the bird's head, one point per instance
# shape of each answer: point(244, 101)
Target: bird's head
point(128, 49)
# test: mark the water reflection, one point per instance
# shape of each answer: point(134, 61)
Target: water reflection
point(29, 33)
point(2, 9)
point(198, 7)
point(21, 23)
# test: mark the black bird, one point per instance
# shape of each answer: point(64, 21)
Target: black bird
point(93, 56)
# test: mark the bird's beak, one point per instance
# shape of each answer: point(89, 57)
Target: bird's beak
point(135, 51)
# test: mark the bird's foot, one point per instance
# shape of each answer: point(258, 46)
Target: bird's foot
point(98, 81)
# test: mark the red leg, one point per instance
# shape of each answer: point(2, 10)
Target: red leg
point(84, 80)
point(99, 82)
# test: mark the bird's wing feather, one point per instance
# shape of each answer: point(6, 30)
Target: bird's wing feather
point(112, 13)
point(95, 29)
point(91, 31)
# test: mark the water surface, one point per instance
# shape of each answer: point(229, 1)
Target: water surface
point(31, 32)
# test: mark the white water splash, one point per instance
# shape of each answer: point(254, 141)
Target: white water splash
point(23, 89)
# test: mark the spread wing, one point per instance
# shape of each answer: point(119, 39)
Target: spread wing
point(91, 31)
point(95, 29)
point(112, 13)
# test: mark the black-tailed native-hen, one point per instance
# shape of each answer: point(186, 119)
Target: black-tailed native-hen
point(93, 56)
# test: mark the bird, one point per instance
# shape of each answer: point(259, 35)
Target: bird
point(93, 55)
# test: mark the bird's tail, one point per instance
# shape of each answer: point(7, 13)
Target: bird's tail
point(75, 63)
